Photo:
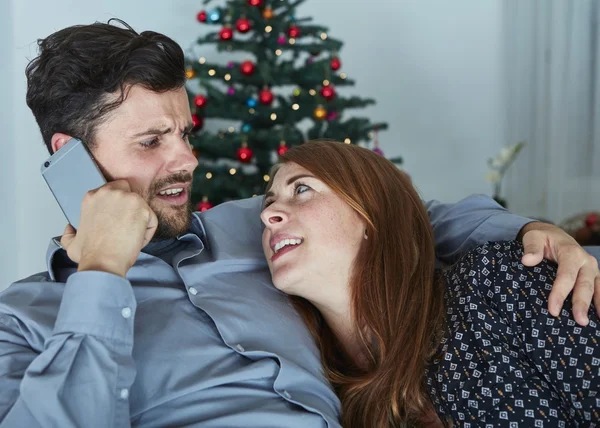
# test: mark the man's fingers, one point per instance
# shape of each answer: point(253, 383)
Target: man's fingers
point(119, 185)
point(533, 248)
point(583, 294)
point(151, 227)
point(68, 236)
point(568, 270)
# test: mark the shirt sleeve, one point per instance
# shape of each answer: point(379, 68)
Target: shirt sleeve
point(469, 223)
point(83, 375)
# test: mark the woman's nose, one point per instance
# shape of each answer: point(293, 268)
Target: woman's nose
point(271, 215)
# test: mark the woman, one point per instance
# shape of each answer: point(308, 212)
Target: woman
point(349, 238)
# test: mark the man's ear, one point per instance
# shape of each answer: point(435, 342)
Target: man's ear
point(59, 140)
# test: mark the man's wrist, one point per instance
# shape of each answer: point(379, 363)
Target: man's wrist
point(102, 264)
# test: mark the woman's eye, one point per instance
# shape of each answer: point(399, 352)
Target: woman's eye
point(301, 188)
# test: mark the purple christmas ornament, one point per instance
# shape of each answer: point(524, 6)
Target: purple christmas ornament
point(378, 151)
point(332, 115)
point(281, 39)
point(230, 64)
point(231, 91)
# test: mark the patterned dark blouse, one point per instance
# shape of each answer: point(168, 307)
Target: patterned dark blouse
point(504, 360)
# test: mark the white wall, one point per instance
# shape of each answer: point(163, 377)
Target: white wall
point(432, 65)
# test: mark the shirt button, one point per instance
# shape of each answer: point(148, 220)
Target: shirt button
point(126, 312)
point(240, 348)
point(287, 395)
point(124, 393)
point(193, 291)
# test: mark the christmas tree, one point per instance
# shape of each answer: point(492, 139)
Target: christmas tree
point(281, 94)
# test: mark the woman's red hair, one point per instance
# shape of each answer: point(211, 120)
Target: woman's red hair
point(396, 302)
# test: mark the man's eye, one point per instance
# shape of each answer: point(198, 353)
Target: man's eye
point(150, 143)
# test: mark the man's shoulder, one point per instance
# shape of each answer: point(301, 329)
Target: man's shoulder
point(35, 278)
point(31, 294)
point(235, 227)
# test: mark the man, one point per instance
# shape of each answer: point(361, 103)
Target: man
point(155, 316)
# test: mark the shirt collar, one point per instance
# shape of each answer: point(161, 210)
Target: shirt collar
point(55, 249)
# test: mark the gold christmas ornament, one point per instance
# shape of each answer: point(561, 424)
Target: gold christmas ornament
point(190, 73)
point(320, 113)
point(268, 13)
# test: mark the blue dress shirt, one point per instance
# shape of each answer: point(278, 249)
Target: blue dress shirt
point(205, 341)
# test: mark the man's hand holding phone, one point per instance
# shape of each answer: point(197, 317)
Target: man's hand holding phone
point(115, 225)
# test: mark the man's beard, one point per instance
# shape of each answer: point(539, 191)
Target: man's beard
point(172, 221)
point(173, 224)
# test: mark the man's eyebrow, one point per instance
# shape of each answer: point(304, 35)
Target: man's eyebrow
point(153, 131)
point(289, 181)
point(162, 131)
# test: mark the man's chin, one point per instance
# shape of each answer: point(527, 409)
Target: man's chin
point(172, 221)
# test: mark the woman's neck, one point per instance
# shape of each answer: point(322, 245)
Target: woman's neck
point(340, 321)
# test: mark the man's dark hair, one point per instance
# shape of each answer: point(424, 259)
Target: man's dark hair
point(69, 85)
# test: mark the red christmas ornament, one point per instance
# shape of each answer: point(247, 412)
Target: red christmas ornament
point(282, 148)
point(336, 64)
point(197, 121)
point(293, 31)
point(243, 25)
point(256, 3)
point(265, 97)
point(328, 92)
point(200, 101)
point(247, 68)
point(591, 220)
point(226, 33)
point(204, 205)
point(245, 154)
point(201, 16)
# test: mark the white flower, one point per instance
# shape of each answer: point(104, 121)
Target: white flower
point(505, 154)
point(496, 163)
point(493, 176)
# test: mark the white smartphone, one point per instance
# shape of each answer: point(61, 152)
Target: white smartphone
point(70, 173)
